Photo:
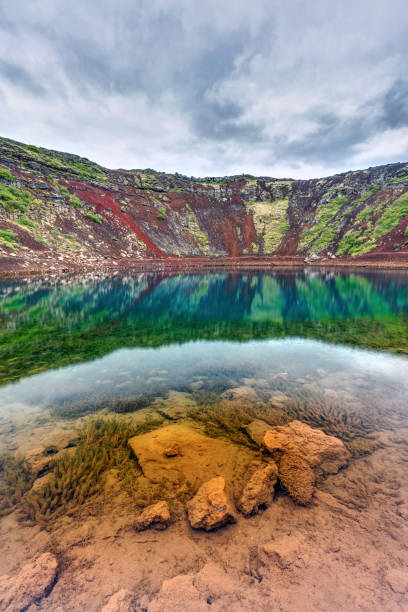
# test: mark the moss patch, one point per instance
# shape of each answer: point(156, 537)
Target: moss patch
point(270, 221)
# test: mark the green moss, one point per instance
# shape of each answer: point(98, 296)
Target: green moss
point(8, 238)
point(270, 221)
point(94, 217)
point(323, 231)
point(354, 243)
point(392, 216)
point(13, 198)
point(406, 232)
point(5, 174)
point(25, 222)
point(398, 179)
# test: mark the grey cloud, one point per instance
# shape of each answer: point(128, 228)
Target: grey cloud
point(17, 75)
point(263, 80)
point(395, 112)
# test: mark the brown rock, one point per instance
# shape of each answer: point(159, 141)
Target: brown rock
point(198, 457)
point(34, 581)
point(259, 489)
point(324, 454)
point(156, 516)
point(210, 507)
point(257, 429)
point(297, 477)
point(122, 601)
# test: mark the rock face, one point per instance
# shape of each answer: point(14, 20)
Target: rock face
point(297, 477)
point(34, 581)
point(324, 454)
point(156, 516)
point(210, 508)
point(122, 601)
point(259, 489)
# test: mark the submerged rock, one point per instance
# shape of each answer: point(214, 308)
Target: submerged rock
point(156, 516)
point(324, 454)
point(210, 508)
point(279, 400)
point(256, 430)
point(259, 489)
point(177, 454)
point(241, 394)
point(297, 477)
point(34, 581)
point(122, 601)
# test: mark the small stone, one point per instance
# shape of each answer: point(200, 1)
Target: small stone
point(210, 508)
point(259, 489)
point(156, 516)
point(34, 581)
point(171, 451)
point(398, 580)
point(122, 601)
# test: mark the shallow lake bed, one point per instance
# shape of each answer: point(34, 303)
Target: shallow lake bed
point(89, 363)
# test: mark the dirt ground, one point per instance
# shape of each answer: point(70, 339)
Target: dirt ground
point(347, 551)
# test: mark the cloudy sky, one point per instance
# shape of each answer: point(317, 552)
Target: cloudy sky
point(209, 87)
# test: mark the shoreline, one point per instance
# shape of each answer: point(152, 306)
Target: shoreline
point(11, 268)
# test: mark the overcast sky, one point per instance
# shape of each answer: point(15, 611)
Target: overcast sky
point(300, 88)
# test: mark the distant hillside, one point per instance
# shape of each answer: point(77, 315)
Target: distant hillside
point(58, 209)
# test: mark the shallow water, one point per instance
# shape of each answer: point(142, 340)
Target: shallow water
point(88, 362)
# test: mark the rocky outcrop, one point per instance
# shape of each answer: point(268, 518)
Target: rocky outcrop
point(34, 582)
point(259, 489)
point(156, 516)
point(122, 601)
point(324, 454)
point(210, 508)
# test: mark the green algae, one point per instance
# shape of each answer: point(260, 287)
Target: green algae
point(75, 478)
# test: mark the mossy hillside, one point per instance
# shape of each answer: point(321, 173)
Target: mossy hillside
point(5, 174)
point(82, 167)
point(325, 228)
point(391, 216)
point(270, 221)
